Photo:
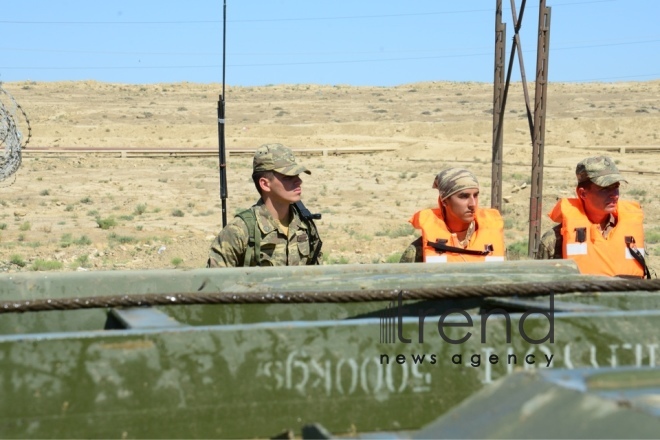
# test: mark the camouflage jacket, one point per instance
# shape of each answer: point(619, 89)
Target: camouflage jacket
point(413, 253)
point(551, 244)
point(276, 248)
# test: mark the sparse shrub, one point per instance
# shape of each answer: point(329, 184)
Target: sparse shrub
point(82, 261)
point(636, 192)
point(122, 239)
point(66, 240)
point(26, 226)
point(652, 237)
point(86, 200)
point(17, 260)
point(44, 192)
point(106, 223)
point(42, 265)
point(83, 241)
point(517, 250)
point(140, 209)
point(177, 213)
point(341, 260)
point(177, 261)
point(394, 258)
point(401, 231)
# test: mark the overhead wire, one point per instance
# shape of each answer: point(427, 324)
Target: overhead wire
point(364, 55)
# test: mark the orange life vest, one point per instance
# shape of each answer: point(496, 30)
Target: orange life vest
point(593, 253)
point(489, 232)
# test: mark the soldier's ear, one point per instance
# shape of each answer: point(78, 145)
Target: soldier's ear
point(581, 193)
point(264, 184)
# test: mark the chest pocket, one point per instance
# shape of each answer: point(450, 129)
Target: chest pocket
point(266, 254)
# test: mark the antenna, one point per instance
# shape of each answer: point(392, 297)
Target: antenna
point(221, 122)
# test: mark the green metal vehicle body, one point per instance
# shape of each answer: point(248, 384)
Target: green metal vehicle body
point(257, 370)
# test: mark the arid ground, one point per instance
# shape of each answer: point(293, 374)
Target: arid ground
point(93, 212)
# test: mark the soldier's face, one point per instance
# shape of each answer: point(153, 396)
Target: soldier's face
point(462, 206)
point(285, 189)
point(599, 200)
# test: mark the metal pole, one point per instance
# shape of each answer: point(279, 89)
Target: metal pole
point(518, 22)
point(498, 109)
point(540, 101)
point(221, 122)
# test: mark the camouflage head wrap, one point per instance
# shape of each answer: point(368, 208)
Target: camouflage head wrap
point(600, 170)
point(453, 180)
point(278, 158)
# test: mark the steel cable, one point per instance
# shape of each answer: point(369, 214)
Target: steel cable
point(347, 296)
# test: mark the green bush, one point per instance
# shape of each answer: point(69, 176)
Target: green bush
point(122, 239)
point(400, 231)
point(140, 209)
point(106, 223)
point(652, 237)
point(517, 250)
point(66, 240)
point(46, 265)
point(17, 260)
point(83, 241)
point(81, 261)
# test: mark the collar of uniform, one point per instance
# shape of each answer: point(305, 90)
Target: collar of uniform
point(468, 234)
point(268, 224)
point(611, 223)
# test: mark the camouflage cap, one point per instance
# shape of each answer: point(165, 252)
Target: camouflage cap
point(453, 180)
point(278, 158)
point(600, 170)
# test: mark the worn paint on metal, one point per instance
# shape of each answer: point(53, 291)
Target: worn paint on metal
point(211, 371)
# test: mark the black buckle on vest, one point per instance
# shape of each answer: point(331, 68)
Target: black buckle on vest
point(441, 246)
point(580, 235)
point(637, 255)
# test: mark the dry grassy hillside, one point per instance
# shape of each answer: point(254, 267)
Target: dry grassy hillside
point(93, 212)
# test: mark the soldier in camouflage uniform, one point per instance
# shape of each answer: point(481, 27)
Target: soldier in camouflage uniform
point(458, 222)
point(272, 232)
point(594, 227)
